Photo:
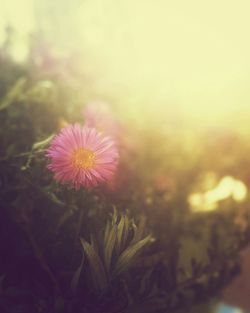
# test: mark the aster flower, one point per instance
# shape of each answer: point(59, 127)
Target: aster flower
point(81, 156)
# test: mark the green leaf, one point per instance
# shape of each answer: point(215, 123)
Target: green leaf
point(109, 246)
point(94, 242)
point(50, 195)
point(126, 259)
point(115, 216)
point(107, 231)
point(138, 231)
point(13, 93)
point(125, 231)
point(96, 266)
point(120, 234)
point(41, 144)
point(76, 276)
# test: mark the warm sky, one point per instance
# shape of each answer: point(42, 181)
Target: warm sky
point(189, 54)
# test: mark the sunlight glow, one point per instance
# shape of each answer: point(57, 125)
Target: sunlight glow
point(209, 201)
point(19, 15)
point(186, 56)
point(188, 59)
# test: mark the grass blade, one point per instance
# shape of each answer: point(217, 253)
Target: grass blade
point(96, 266)
point(127, 257)
point(109, 246)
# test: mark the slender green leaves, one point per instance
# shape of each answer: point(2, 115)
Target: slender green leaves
point(96, 266)
point(126, 259)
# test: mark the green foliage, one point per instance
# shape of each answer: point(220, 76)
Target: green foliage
point(116, 249)
point(96, 266)
point(76, 277)
point(128, 255)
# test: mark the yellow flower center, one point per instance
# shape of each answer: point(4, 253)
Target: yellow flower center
point(83, 158)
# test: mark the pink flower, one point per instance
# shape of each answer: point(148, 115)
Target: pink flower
point(82, 157)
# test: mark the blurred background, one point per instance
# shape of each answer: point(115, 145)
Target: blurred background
point(188, 60)
point(176, 74)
